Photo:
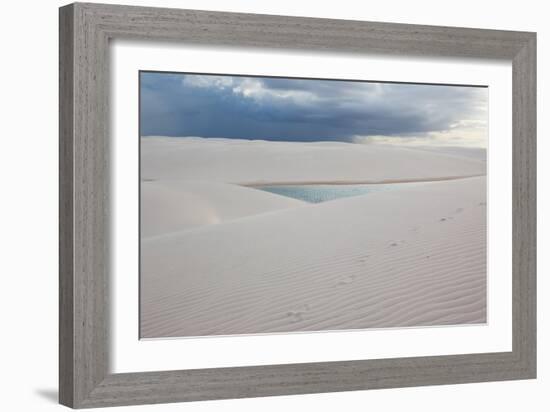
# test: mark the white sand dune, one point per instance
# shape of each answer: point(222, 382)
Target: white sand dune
point(174, 205)
point(409, 257)
point(476, 153)
point(260, 162)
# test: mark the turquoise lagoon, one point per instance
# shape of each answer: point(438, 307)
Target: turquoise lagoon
point(318, 193)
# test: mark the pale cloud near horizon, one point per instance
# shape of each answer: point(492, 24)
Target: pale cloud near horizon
point(310, 110)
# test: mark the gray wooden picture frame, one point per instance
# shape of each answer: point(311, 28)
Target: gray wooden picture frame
point(85, 31)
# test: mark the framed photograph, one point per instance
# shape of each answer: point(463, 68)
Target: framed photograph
point(256, 205)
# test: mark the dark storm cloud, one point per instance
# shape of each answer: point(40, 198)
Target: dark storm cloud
point(300, 110)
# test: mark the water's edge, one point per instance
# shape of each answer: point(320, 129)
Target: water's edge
point(323, 193)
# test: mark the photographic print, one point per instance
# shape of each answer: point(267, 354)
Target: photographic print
point(280, 205)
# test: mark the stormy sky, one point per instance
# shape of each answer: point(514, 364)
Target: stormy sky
point(284, 109)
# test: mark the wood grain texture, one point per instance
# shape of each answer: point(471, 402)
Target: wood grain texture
point(524, 125)
point(85, 31)
point(66, 229)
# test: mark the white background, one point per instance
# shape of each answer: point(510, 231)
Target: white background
point(28, 304)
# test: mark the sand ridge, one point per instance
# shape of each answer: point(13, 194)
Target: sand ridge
point(260, 162)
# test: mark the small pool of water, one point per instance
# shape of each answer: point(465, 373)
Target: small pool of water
point(323, 193)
